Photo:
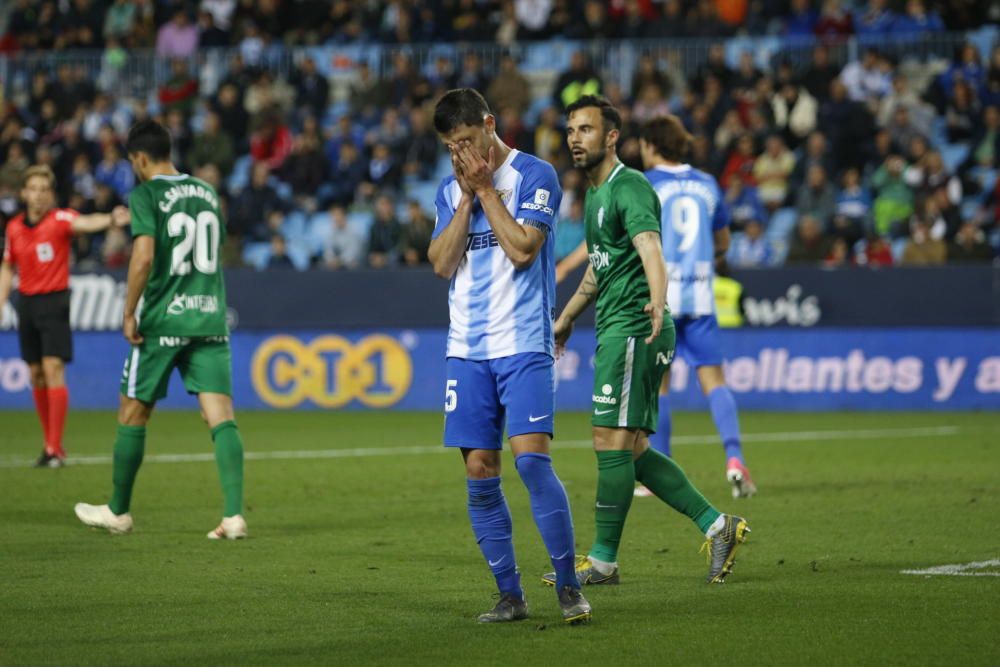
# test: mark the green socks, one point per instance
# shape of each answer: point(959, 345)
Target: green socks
point(668, 482)
point(229, 458)
point(129, 447)
point(615, 486)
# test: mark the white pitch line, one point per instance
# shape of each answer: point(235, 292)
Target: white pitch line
point(958, 570)
point(361, 452)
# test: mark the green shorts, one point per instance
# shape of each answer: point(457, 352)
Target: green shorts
point(627, 375)
point(205, 365)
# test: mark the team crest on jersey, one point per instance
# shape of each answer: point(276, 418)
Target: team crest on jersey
point(600, 217)
point(505, 194)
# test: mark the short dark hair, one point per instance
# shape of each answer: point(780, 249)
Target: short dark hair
point(149, 137)
point(462, 106)
point(667, 136)
point(612, 119)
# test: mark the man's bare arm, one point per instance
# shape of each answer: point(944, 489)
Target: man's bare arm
point(446, 251)
point(139, 267)
point(650, 250)
point(586, 294)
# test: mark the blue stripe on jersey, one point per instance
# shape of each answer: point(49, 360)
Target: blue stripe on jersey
point(497, 311)
point(693, 209)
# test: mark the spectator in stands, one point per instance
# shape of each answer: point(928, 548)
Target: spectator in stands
point(649, 103)
point(212, 146)
point(305, 170)
point(115, 171)
point(834, 23)
point(267, 95)
point(740, 163)
point(817, 152)
point(344, 247)
point(511, 129)
point(384, 172)
point(178, 38)
point(984, 148)
point(645, 73)
point(921, 115)
point(181, 89)
point(817, 198)
point(367, 92)
point(901, 130)
point(795, 113)
point(801, 19)
point(279, 259)
point(751, 248)
point(867, 78)
point(808, 245)
point(209, 34)
point(962, 113)
point(772, 171)
point(569, 231)
point(347, 175)
point(969, 246)
point(820, 73)
point(876, 20)
point(549, 139)
point(579, 80)
point(115, 250)
point(839, 255)
point(703, 20)
point(271, 142)
point(82, 177)
point(384, 236)
point(893, 197)
point(991, 86)
point(253, 208)
point(233, 118)
point(119, 19)
point(874, 252)
point(423, 149)
point(729, 130)
point(311, 88)
point(416, 234)
point(922, 248)
point(930, 174)
point(852, 212)
point(744, 203)
point(917, 19)
point(509, 88)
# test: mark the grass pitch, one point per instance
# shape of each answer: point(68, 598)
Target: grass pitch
point(361, 552)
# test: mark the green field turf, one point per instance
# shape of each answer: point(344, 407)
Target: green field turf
point(361, 558)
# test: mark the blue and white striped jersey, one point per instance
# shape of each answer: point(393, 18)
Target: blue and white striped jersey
point(496, 310)
point(693, 208)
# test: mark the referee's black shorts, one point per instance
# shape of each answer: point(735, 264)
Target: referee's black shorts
point(43, 326)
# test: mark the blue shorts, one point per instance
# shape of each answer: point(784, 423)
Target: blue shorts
point(698, 340)
point(481, 396)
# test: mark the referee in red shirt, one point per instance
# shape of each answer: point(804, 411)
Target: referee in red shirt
point(37, 247)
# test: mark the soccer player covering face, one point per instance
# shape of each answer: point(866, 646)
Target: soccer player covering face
point(695, 235)
point(37, 248)
point(175, 268)
point(494, 240)
point(635, 345)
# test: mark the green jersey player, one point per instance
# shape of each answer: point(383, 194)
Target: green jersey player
point(635, 345)
point(178, 231)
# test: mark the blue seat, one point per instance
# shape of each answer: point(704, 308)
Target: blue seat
point(897, 248)
point(240, 177)
point(294, 226)
point(361, 220)
point(424, 192)
point(954, 155)
point(300, 254)
point(256, 255)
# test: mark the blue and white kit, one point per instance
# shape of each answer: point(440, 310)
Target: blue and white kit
point(500, 344)
point(693, 209)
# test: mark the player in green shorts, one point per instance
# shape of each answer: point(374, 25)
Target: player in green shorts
point(178, 232)
point(635, 345)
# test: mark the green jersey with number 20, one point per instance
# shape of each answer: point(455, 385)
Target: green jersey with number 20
point(186, 295)
point(617, 210)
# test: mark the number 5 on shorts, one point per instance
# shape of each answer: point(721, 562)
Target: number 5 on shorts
point(451, 396)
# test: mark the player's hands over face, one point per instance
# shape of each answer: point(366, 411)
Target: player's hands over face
point(463, 182)
point(478, 172)
point(120, 216)
point(563, 330)
point(130, 329)
point(655, 319)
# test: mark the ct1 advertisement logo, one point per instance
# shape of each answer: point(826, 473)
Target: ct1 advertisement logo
point(331, 371)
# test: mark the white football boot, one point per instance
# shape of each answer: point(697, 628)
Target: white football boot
point(231, 528)
point(101, 516)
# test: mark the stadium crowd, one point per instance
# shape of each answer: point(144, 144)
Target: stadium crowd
point(875, 162)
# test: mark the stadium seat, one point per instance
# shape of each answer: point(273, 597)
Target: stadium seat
point(362, 220)
point(897, 248)
point(954, 155)
point(240, 177)
point(424, 192)
point(294, 226)
point(256, 255)
point(300, 253)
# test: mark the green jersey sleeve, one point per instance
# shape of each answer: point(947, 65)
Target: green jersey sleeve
point(140, 206)
point(637, 203)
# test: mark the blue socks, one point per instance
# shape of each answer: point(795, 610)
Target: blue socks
point(660, 441)
point(494, 532)
point(550, 507)
point(723, 407)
